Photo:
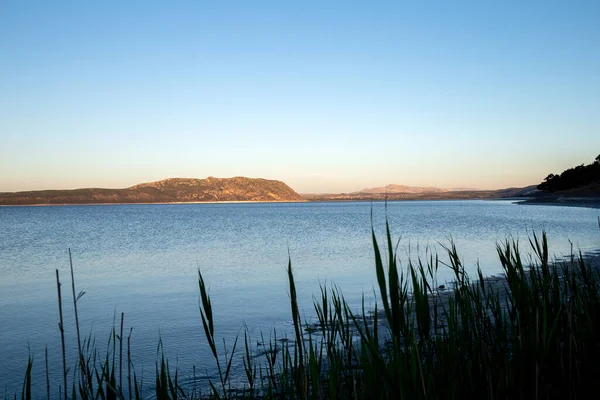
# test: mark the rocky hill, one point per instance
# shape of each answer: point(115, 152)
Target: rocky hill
point(171, 190)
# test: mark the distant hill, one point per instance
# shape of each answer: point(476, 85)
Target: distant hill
point(441, 194)
point(171, 190)
point(402, 189)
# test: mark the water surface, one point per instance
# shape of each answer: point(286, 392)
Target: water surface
point(143, 260)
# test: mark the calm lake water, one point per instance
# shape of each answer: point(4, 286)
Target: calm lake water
point(143, 260)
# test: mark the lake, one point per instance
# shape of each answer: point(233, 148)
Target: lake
point(143, 260)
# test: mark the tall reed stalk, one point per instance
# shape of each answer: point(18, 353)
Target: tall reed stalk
point(62, 336)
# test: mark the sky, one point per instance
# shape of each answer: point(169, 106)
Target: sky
point(325, 96)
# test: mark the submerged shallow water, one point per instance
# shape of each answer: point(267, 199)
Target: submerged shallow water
point(143, 260)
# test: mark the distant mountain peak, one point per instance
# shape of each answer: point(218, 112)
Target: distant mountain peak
point(394, 188)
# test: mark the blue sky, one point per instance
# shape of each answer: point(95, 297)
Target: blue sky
point(326, 96)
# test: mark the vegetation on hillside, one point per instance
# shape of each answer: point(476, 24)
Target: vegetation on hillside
point(533, 335)
point(573, 177)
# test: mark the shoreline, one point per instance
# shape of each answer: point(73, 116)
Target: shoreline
point(251, 202)
point(516, 200)
point(156, 203)
point(585, 202)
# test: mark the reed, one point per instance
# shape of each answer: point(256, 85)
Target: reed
point(62, 336)
point(209, 331)
point(47, 377)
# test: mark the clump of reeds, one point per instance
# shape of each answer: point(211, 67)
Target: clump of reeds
point(94, 376)
point(534, 334)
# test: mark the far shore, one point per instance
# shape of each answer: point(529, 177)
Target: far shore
point(256, 202)
point(164, 202)
point(586, 202)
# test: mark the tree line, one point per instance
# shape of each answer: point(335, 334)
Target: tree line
point(573, 177)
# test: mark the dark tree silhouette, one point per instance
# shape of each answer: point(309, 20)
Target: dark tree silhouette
point(573, 177)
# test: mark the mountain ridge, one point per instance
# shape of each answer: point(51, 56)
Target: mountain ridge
point(211, 189)
point(170, 190)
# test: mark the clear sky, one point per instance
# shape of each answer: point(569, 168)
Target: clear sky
point(326, 96)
